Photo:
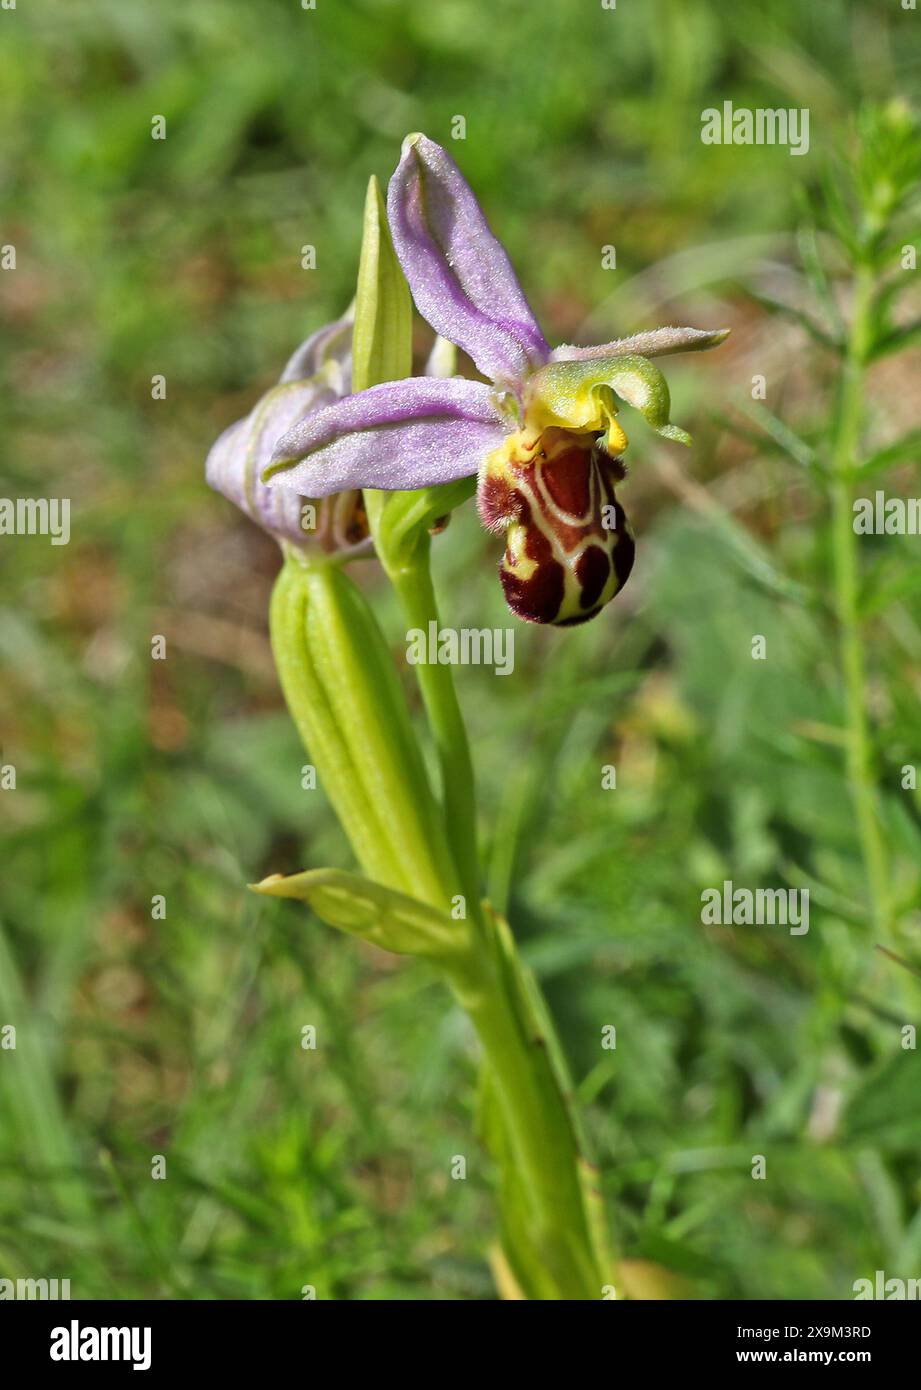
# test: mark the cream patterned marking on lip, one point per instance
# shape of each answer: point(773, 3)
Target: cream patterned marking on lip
point(568, 547)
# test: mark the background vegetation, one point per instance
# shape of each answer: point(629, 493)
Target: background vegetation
point(180, 1037)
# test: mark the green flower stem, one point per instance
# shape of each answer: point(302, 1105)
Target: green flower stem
point(345, 699)
point(412, 581)
point(549, 1235)
point(860, 768)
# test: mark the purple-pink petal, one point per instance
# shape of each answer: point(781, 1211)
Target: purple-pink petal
point(331, 343)
point(235, 462)
point(461, 278)
point(398, 436)
point(657, 342)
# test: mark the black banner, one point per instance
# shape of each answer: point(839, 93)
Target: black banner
point(79, 1338)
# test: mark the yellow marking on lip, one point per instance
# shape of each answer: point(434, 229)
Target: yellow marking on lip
point(516, 542)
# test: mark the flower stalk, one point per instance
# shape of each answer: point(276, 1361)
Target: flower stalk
point(845, 461)
point(412, 582)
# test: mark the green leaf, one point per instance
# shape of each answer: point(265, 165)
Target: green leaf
point(906, 583)
point(790, 443)
point(807, 245)
point(549, 1073)
point(908, 447)
point(516, 1220)
point(889, 291)
point(884, 1110)
point(798, 316)
point(836, 210)
point(355, 905)
point(345, 697)
point(29, 1094)
point(897, 340)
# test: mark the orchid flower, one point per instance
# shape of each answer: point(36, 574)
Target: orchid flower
point(315, 376)
point(542, 436)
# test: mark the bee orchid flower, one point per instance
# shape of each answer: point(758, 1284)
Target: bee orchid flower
point(542, 435)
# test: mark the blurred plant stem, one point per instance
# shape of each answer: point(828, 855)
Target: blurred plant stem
point(33, 1101)
point(845, 448)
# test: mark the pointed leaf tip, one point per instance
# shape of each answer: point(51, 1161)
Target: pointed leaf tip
point(269, 886)
point(377, 914)
point(382, 333)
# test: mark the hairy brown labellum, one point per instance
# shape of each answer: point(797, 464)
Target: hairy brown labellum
point(568, 545)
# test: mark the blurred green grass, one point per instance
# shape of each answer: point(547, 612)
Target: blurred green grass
point(181, 1037)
